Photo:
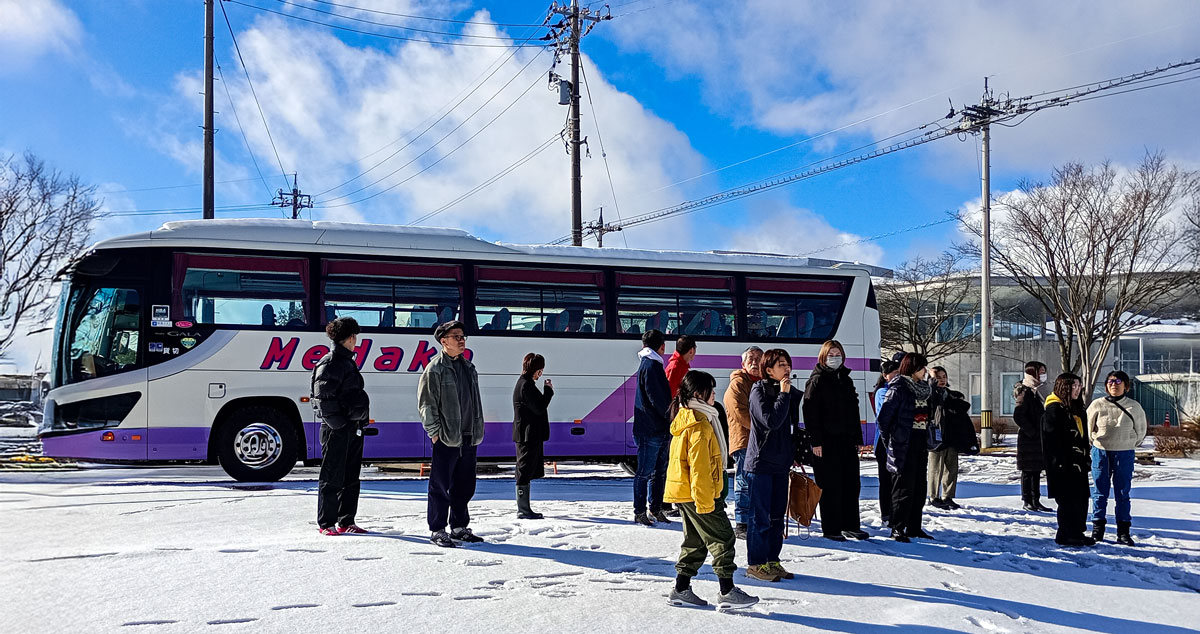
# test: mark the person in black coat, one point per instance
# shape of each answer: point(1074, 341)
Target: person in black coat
point(1027, 414)
point(342, 405)
point(903, 420)
point(531, 428)
point(1068, 459)
point(831, 418)
point(651, 431)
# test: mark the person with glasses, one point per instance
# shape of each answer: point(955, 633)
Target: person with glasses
point(1116, 426)
point(452, 414)
point(1065, 446)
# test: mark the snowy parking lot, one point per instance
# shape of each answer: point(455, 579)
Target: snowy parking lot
point(183, 549)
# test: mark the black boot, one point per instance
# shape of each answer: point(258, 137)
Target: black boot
point(1098, 530)
point(523, 510)
point(1037, 500)
point(1123, 537)
point(1027, 493)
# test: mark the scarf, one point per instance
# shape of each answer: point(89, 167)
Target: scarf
point(647, 352)
point(714, 419)
point(920, 389)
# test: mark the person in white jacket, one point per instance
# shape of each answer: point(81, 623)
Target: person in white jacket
point(1116, 426)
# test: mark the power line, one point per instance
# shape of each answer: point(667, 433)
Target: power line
point(478, 85)
point(487, 183)
point(603, 154)
point(881, 236)
point(439, 160)
point(394, 26)
point(439, 141)
point(232, 107)
point(246, 71)
point(184, 210)
point(421, 17)
point(382, 35)
point(151, 189)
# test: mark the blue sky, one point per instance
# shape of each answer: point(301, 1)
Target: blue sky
point(109, 91)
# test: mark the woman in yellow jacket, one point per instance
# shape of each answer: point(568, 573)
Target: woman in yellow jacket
point(695, 484)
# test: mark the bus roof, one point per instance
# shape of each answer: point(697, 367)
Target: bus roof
point(346, 238)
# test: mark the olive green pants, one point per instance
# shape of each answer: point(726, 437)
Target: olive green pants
point(704, 534)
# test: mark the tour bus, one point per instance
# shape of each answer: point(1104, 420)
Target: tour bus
point(195, 342)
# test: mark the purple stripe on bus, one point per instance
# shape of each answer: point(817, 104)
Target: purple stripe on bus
point(88, 446)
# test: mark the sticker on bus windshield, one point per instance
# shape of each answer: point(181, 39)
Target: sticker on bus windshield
point(161, 312)
point(187, 342)
point(183, 324)
point(156, 346)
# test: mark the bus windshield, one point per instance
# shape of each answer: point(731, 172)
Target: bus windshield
point(101, 333)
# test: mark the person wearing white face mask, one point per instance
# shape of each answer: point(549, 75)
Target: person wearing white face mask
point(831, 417)
point(1027, 414)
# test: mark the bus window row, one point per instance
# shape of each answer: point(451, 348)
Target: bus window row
point(274, 291)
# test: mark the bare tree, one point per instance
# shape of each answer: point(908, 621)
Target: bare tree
point(1102, 253)
point(45, 218)
point(929, 307)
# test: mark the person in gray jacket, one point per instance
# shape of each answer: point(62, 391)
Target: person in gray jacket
point(452, 414)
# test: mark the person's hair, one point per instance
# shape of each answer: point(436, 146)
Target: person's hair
point(685, 344)
point(827, 347)
point(695, 385)
point(342, 329)
point(1120, 374)
point(773, 356)
point(532, 363)
point(1033, 368)
point(749, 351)
point(440, 332)
point(1063, 384)
point(880, 382)
point(938, 368)
point(889, 366)
point(912, 363)
point(652, 339)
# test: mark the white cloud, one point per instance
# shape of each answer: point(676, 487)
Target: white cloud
point(335, 109)
point(801, 68)
point(781, 228)
point(30, 28)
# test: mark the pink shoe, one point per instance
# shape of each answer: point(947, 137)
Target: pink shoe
point(329, 530)
point(353, 529)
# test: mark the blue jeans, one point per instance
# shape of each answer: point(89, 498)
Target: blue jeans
point(1111, 470)
point(768, 503)
point(653, 454)
point(741, 489)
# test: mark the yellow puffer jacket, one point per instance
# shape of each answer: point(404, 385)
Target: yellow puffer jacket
point(695, 473)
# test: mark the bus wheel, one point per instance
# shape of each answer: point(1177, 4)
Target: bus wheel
point(257, 444)
point(629, 465)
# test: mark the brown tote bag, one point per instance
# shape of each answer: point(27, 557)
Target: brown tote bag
point(803, 496)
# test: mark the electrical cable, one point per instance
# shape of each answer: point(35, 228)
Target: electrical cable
point(254, 94)
point(383, 35)
point(394, 26)
point(221, 76)
point(603, 154)
point(422, 17)
point(880, 236)
point(151, 189)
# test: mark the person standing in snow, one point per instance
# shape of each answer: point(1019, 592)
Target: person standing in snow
point(831, 418)
point(651, 431)
point(1027, 414)
point(1116, 426)
point(1065, 446)
point(943, 461)
point(452, 414)
point(343, 407)
point(680, 362)
point(696, 483)
point(531, 428)
point(774, 416)
point(904, 420)
point(737, 407)
point(888, 371)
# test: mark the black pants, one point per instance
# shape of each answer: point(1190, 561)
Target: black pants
point(1031, 486)
point(885, 481)
point(1072, 497)
point(337, 489)
point(451, 485)
point(908, 488)
point(531, 462)
point(836, 472)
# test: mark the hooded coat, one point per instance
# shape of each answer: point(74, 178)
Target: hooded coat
point(696, 471)
point(1027, 414)
point(1065, 446)
point(831, 408)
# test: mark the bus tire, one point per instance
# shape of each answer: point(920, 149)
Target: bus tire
point(629, 465)
point(257, 444)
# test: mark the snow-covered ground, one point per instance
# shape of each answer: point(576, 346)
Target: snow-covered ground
point(164, 550)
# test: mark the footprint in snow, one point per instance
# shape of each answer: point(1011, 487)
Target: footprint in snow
point(234, 551)
point(420, 594)
point(940, 567)
point(374, 604)
point(296, 606)
point(91, 556)
point(303, 550)
point(473, 597)
point(480, 562)
point(363, 558)
point(151, 622)
point(956, 587)
point(231, 621)
point(985, 624)
point(553, 575)
point(844, 558)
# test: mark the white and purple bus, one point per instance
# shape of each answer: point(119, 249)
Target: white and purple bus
point(195, 342)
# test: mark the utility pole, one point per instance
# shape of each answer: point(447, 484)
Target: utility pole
point(599, 228)
point(295, 199)
point(209, 208)
point(575, 16)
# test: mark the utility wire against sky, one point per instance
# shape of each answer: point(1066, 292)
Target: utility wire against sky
point(1008, 110)
point(421, 17)
point(395, 26)
point(249, 150)
point(603, 154)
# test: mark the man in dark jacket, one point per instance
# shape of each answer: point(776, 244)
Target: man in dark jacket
point(342, 405)
point(452, 414)
point(651, 430)
point(1027, 414)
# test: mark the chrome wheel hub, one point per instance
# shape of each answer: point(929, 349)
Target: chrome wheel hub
point(257, 445)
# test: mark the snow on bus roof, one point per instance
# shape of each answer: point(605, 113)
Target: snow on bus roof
point(320, 235)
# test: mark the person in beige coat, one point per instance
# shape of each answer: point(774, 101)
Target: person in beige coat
point(737, 408)
point(1116, 426)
